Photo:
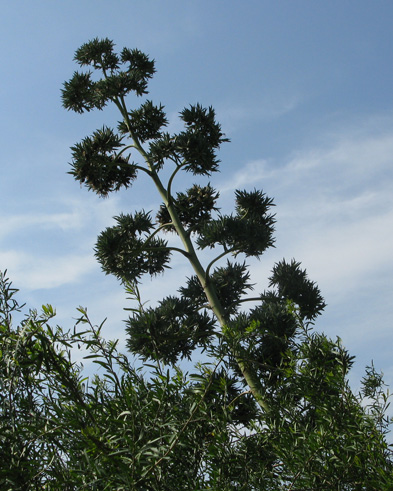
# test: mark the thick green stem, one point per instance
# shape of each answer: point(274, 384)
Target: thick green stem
point(240, 355)
point(238, 352)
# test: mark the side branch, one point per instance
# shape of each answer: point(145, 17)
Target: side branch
point(220, 256)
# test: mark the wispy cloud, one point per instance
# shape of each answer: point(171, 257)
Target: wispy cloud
point(33, 271)
point(35, 246)
point(236, 113)
point(335, 215)
point(74, 214)
point(254, 172)
point(334, 205)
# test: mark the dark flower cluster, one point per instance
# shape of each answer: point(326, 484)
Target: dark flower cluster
point(171, 330)
point(249, 231)
point(292, 283)
point(145, 123)
point(82, 93)
point(126, 250)
point(194, 207)
point(97, 163)
point(231, 282)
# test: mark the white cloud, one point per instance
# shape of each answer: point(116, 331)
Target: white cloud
point(35, 246)
point(11, 260)
point(235, 114)
point(347, 252)
point(75, 214)
point(334, 207)
point(33, 272)
point(253, 172)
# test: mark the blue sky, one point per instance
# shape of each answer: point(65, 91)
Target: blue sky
point(302, 88)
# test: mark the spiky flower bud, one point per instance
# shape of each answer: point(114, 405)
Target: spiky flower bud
point(96, 163)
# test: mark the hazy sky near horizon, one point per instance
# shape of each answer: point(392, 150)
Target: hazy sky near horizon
point(303, 90)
